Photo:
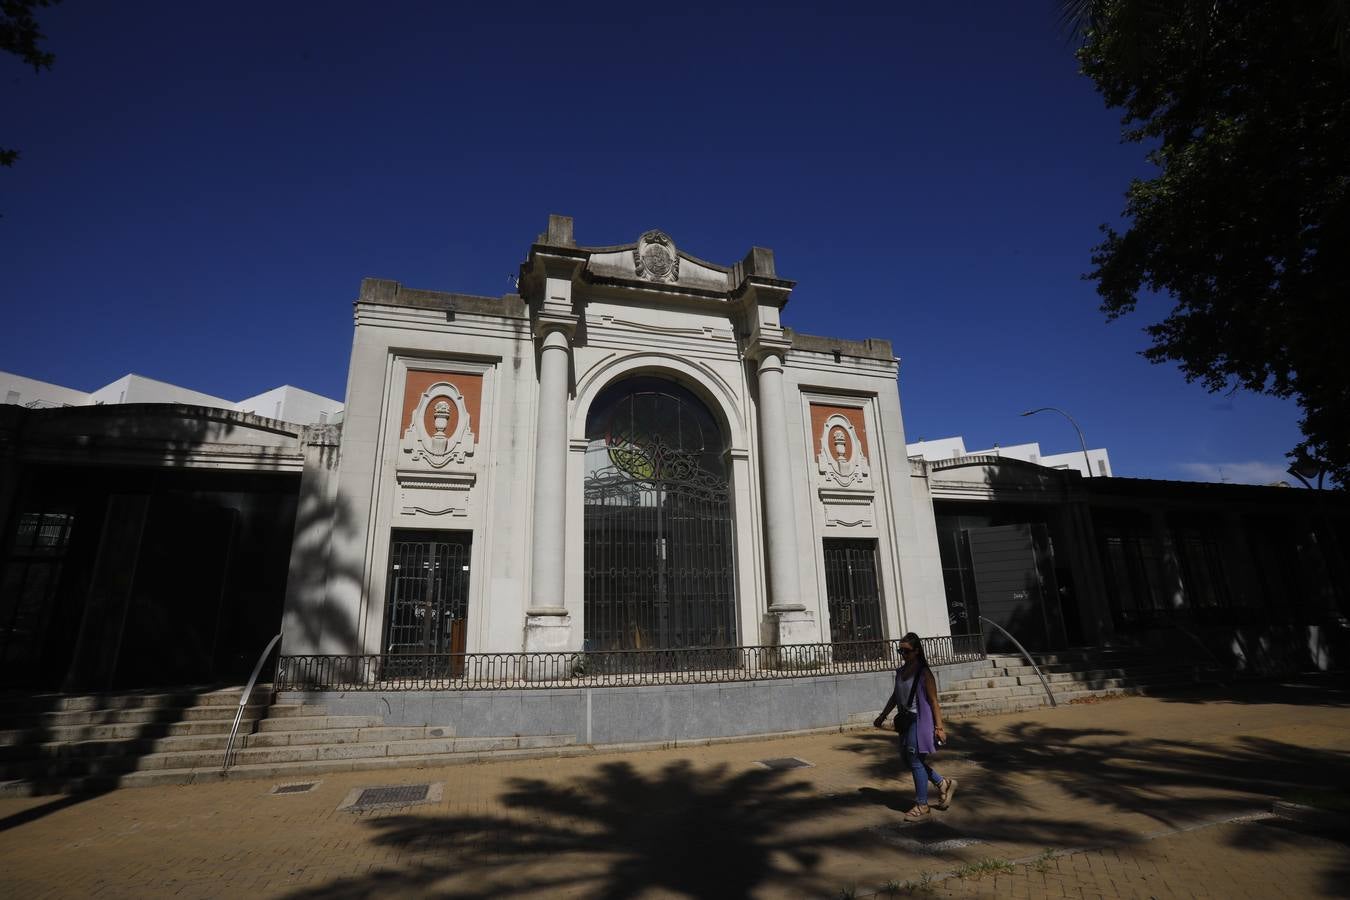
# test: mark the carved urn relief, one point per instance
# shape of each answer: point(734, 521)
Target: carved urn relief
point(841, 460)
point(843, 475)
point(436, 454)
point(426, 439)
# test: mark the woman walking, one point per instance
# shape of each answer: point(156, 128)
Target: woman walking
point(919, 724)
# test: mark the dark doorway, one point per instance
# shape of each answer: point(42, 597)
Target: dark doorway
point(128, 578)
point(427, 609)
point(1015, 583)
point(854, 599)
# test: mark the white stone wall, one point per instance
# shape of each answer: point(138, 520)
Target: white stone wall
point(389, 342)
point(615, 326)
point(910, 574)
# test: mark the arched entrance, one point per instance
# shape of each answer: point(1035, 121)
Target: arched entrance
point(659, 566)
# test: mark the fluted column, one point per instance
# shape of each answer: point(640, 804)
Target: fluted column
point(548, 557)
point(776, 466)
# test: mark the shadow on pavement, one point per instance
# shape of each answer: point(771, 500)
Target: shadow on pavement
point(617, 832)
point(1176, 783)
point(33, 813)
point(1303, 689)
point(701, 832)
point(1272, 833)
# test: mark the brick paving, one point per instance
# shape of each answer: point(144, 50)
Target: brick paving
point(1138, 797)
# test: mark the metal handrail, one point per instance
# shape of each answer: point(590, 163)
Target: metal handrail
point(1027, 656)
point(243, 701)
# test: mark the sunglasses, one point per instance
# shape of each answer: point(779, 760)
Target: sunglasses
point(906, 649)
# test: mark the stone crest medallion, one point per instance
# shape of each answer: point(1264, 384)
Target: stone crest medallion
point(655, 257)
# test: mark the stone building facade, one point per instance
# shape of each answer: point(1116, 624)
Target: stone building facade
point(632, 452)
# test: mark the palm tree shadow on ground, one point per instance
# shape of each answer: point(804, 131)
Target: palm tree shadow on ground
point(617, 832)
point(613, 833)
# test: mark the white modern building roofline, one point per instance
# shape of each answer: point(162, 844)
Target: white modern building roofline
point(947, 449)
point(285, 403)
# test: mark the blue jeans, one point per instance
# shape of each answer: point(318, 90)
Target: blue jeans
point(918, 764)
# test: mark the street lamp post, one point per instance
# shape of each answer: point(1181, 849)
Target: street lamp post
point(1081, 442)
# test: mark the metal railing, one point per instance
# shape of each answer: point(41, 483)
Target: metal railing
point(243, 701)
point(611, 668)
point(1025, 655)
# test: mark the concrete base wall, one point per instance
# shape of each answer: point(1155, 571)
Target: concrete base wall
point(616, 715)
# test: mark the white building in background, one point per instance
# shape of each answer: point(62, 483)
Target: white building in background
point(947, 449)
point(285, 403)
point(291, 404)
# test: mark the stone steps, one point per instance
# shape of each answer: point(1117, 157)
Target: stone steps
point(133, 716)
point(316, 722)
point(524, 747)
point(98, 749)
point(1010, 685)
point(114, 747)
point(18, 704)
point(1054, 678)
point(122, 731)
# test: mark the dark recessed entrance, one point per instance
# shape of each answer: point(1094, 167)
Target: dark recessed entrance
point(126, 578)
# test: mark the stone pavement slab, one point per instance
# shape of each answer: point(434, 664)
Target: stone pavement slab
point(1125, 794)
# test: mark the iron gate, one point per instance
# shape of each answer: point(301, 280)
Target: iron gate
point(658, 535)
point(428, 600)
point(853, 598)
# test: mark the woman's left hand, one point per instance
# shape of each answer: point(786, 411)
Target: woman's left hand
point(941, 734)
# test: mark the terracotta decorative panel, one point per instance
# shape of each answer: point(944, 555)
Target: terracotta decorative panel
point(470, 388)
point(840, 446)
point(820, 412)
point(440, 412)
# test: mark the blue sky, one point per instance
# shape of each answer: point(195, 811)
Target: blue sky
point(203, 186)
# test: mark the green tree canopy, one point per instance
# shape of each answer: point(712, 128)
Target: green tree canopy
point(20, 35)
point(1244, 108)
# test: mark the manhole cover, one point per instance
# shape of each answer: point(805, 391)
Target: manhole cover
point(407, 793)
point(392, 795)
point(295, 788)
point(785, 762)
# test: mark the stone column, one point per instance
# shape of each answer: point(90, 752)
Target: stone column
point(547, 625)
point(790, 622)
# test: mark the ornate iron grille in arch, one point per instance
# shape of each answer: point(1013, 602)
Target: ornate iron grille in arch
point(658, 536)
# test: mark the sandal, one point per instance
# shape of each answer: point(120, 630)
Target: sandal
point(918, 813)
point(946, 792)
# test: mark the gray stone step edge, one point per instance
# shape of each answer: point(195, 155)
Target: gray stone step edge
point(29, 703)
point(198, 760)
point(1022, 702)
